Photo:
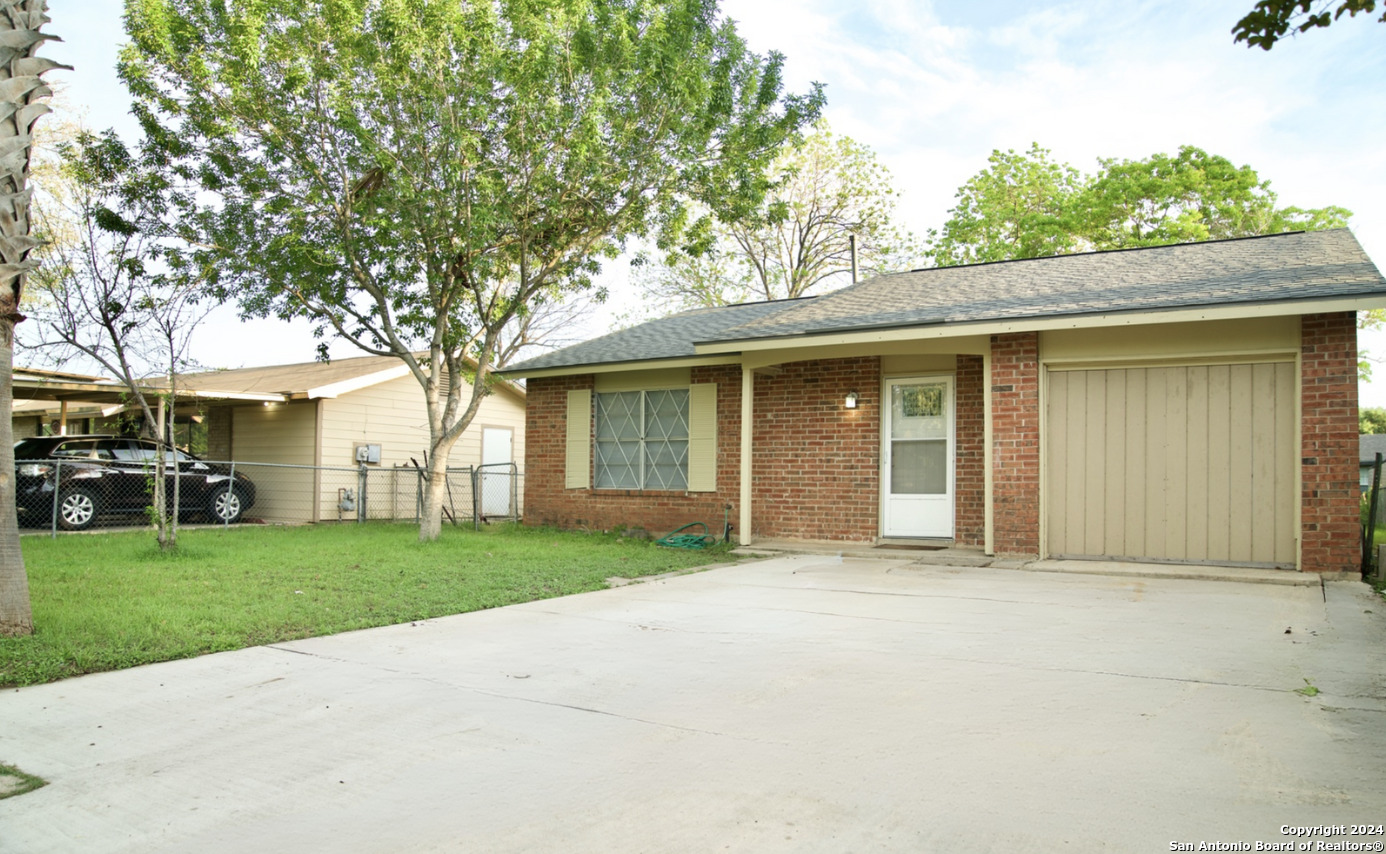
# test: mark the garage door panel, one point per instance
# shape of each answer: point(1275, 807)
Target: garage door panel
point(1176, 454)
point(1188, 463)
point(1137, 421)
point(1219, 458)
point(1095, 461)
point(1196, 468)
point(1114, 488)
point(1239, 464)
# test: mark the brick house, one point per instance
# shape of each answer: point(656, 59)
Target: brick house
point(1194, 403)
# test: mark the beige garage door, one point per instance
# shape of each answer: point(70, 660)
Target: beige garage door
point(1187, 464)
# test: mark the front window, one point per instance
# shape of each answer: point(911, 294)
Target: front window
point(642, 440)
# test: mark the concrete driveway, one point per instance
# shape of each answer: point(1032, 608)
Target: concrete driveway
point(797, 704)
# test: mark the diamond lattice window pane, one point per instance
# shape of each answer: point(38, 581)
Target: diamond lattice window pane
point(666, 464)
point(618, 465)
point(666, 414)
point(618, 416)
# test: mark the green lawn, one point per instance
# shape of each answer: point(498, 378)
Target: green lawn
point(107, 601)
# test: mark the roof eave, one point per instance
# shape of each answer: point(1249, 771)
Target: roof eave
point(1041, 323)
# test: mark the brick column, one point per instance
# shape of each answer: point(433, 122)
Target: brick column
point(546, 453)
point(1015, 424)
point(1329, 504)
point(970, 503)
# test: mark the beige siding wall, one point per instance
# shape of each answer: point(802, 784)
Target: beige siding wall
point(1192, 463)
point(284, 434)
point(393, 416)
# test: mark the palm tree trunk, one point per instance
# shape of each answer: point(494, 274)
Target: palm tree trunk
point(20, 73)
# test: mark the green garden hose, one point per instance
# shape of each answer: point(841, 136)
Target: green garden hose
point(680, 540)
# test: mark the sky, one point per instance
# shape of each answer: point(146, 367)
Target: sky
point(934, 87)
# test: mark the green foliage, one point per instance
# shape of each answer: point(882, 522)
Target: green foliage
point(113, 601)
point(1020, 206)
point(1371, 420)
point(416, 177)
point(826, 190)
point(1270, 20)
point(1028, 206)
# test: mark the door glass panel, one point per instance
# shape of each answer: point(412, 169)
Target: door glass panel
point(919, 411)
point(919, 467)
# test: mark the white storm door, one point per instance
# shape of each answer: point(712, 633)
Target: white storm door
point(917, 458)
point(497, 445)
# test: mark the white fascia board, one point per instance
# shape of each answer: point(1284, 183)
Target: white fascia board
point(213, 394)
point(616, 367)
point(357, 383)
point(1043, 324)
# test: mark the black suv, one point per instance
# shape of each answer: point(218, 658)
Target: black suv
point(97, 475)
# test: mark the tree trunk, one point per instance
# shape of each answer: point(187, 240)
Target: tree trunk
point(20, 70)
point(15, 615)
point(435, 495)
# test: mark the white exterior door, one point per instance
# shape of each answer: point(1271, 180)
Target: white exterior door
point(917, 458)
point(497, 445)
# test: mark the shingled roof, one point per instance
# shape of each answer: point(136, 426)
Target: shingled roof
point(1280, 268)
point(669, 337)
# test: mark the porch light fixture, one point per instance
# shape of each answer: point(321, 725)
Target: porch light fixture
point(851, 400)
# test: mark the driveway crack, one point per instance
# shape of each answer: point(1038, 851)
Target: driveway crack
point(500, 695)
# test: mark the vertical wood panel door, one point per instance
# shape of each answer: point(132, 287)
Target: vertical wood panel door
point(917, 458)
point(1187, 464)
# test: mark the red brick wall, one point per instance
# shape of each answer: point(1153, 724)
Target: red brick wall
point(970, 429)
point(1329, 510)
point(1015, 422)
point(655, 512)
point(816, 464)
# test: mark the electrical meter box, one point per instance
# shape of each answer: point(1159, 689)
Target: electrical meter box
point(369, 454)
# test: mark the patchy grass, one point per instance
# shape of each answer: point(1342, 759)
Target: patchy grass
point(109, 601)
point(15, 782)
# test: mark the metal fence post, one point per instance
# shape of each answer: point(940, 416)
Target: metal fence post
point(1369, 535)
point(57, 480)
point(230, 487)
point(515, 492)
point(361, 494)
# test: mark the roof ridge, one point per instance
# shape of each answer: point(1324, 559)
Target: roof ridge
point(1125, 249)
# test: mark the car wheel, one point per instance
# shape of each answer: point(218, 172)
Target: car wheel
point(78, 508)
point(226, 506)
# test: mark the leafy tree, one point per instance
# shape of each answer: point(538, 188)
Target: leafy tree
point(21, 106)
point(1027, 206)
point(1189, 197)
point(1371, 420)
point(116, 286)
point(1270, 20)
point(1020, 206)
point(829, 191)
point(416, 175)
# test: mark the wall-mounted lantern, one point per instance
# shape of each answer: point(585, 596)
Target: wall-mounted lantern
point(851, 402)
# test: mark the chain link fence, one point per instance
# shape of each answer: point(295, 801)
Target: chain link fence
point(74, 494)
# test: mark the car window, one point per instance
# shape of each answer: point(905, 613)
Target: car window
point(74, 449)
point(119, 450)
point(31, 449)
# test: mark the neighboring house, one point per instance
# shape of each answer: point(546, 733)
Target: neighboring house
point(1368, 447)
point(338, 414)
point(1192, 403)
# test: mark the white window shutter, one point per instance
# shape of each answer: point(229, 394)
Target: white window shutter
point(702, 438)
point(577, 471)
